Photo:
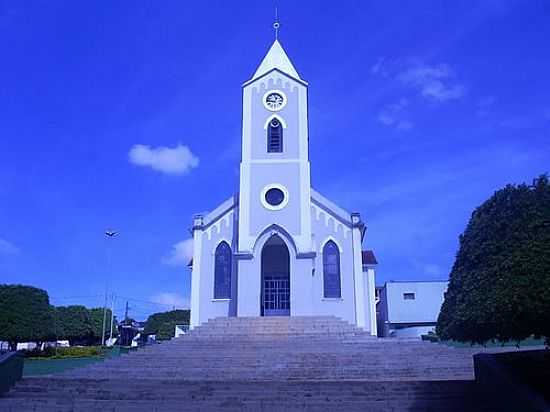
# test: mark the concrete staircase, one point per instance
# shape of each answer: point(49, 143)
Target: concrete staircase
point(264, 364)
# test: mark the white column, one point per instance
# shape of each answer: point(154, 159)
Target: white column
point(196, 272)
point(371, 296)
point(358, 273)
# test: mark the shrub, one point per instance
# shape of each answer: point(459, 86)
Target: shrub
point(155, 321)
point(499, 286)
point(64, 352)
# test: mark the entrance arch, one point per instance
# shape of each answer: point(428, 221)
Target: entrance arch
point(275, 283)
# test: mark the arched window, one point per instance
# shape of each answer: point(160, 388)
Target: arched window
point(222, 272)
point(274, 136)
point(331, 270)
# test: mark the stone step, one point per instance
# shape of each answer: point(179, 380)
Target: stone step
point(115, 396)
point(235, 405)
point(264, 364)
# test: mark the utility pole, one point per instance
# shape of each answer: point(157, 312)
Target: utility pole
point(110, 234)
point(112, 317)
point(126, 313)
point(104, 317)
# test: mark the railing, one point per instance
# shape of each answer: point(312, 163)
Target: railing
point(11, 370)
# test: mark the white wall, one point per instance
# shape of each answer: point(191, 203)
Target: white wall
point(219, 229)
point(424, 308)
point(410, 332)
point(326, 227)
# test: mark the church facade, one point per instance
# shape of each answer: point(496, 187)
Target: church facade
point(278, 247)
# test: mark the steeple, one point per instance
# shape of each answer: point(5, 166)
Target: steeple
point(276, 58)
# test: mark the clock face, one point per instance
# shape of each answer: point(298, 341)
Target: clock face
point(274, 101)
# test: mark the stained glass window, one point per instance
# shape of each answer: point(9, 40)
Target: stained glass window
point(222, 272)
point(331, 270)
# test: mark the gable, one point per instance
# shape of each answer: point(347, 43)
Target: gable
point(220, 212)
point(331, 208)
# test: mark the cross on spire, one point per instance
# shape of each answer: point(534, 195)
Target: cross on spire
point(276, 24)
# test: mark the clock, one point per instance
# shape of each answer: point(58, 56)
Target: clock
point(274, 100)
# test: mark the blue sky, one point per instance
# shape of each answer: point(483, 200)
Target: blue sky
point(127, 115)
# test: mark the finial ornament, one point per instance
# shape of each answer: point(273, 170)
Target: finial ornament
point(276, 24)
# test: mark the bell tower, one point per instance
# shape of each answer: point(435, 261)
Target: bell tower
point(274, 171)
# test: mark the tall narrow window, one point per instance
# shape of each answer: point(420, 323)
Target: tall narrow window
point(222, 272)
point(331, 270)
point(275, 136)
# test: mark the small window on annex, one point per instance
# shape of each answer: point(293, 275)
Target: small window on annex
point(409, 296)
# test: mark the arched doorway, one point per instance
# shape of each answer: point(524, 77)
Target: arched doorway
point(275, 294)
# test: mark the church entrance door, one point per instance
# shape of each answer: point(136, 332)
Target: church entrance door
point(275, 294)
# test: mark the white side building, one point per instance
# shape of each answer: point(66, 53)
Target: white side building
point(409, 308)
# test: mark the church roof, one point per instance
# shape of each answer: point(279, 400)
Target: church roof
point(276, 58)
point(368, 257)
point(343, 215)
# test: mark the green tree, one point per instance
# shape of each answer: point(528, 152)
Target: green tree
point(166, 330)
point(499, 286)
point(25, 315)
point(74, 324)
point(156, 320)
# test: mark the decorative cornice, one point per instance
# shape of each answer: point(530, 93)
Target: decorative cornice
point(248, 82)
point(243, 255)
point(306, 255)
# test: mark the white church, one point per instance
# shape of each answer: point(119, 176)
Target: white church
point(278, 247)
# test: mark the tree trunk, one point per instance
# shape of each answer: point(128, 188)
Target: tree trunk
point(12, 345)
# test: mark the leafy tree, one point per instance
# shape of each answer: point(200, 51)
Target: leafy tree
point(74, 324)
point(499, 286)
point(25, 315)
point(156, 320)
point(166, 330)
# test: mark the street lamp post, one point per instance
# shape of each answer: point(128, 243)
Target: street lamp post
point(110, 234)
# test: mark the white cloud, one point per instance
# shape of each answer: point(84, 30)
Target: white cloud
point(392, 115)
point(171, 299)
point(385, 118)
point(435, 82)
point(181, 253)
point(378, 67)
point(8, 248)
point(178, 160)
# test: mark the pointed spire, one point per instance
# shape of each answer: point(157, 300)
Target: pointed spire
point(276, 24)
point(276, 58)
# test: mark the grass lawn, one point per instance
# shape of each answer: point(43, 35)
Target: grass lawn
point(46, 366)
point(34, 367)
point(523, 343)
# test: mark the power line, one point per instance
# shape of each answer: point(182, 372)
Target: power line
point(75, 297)
point(146, 301)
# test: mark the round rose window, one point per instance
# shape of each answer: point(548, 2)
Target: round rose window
point(274, 196)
